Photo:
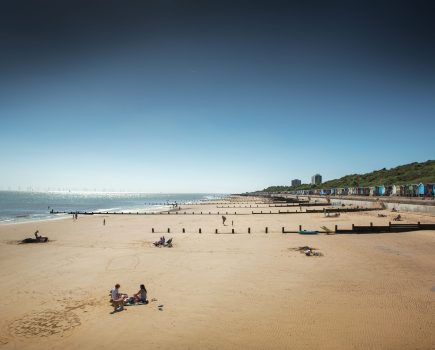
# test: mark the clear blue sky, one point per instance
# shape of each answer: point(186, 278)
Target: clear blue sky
point(213, 101)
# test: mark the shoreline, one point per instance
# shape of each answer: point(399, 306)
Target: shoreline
point(38, 215)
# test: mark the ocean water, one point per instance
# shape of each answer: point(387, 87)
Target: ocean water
point(18, 206)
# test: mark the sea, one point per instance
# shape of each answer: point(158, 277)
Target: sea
point(21, 206)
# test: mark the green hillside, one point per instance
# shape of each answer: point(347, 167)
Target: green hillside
point(412, 173)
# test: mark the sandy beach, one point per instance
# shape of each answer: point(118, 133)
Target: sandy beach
point(218, 291)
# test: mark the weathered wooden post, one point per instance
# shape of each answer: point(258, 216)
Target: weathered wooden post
point(184, 230)
point(232, 231)
point(216, 231)
point(169, 231)
point(152, 230)
point(267, 229)
point(300, 227)
point(336, 228)
point(283, 229)
point(249, 230)
point(200, 231)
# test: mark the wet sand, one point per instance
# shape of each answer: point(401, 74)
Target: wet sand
point(224, 291)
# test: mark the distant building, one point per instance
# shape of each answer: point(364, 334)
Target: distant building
point(296, 182)
point(316, 179)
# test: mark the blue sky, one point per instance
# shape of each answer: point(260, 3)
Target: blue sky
point(234, 108)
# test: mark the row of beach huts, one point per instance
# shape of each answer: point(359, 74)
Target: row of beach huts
point(420, 190)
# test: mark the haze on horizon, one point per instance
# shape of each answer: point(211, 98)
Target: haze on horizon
point(207, 96)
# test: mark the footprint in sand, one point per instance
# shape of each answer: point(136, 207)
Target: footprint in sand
point(44, 324)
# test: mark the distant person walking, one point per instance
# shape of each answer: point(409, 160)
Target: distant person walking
point(223, 220)
point(104, 222)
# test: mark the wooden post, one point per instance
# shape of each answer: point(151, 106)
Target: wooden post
point(169, 231)
point(283, 229)
point(353, 227)
point(216, 231)
point(200, 231)
point(232, 231)
point(267, 229)
point(300, 227)
point(249, 230)
point(336, 228)
point(152, 230)
point(184, 230)
point(418, 224)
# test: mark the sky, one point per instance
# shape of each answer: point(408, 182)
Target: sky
point(211, 96)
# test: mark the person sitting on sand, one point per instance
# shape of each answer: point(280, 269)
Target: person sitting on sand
point(398, 218)
point(40, 238)
point(160, 242)
point(141, 296)
point(117, 298)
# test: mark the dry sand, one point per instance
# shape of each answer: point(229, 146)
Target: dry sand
point(225, 291)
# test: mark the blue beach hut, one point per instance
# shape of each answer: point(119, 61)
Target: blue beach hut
point(379, 190)
point(421, 189)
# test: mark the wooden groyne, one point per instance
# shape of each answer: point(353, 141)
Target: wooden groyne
point(340, 210)
point(382, 229)
point(301, 204)
point(311, 211)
